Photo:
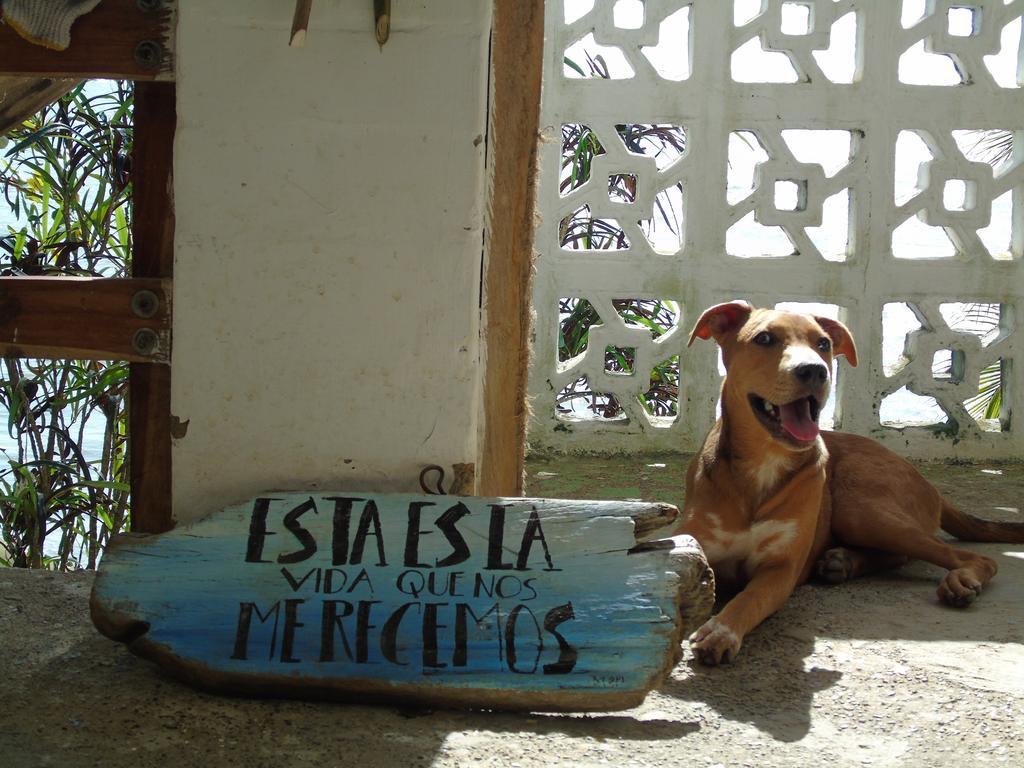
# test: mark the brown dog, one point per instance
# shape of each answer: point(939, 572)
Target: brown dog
point(774, 502)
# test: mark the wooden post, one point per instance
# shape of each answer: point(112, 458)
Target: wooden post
point(149, 415)
point(517, 63)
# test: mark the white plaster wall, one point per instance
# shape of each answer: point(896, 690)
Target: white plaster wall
point(329, 204)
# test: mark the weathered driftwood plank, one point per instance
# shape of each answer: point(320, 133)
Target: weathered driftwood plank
point(535, 604)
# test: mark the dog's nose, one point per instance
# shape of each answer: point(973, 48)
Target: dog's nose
point(811, 373)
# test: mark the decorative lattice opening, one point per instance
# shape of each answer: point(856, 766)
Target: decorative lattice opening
point(863, 156)
point(619, 360)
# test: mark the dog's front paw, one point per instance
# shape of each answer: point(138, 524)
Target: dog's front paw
point(715, 643)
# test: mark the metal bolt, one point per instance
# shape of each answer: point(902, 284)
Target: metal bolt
point(145, 303)
point(149, 5)
point(149, 54)
point(145, 342)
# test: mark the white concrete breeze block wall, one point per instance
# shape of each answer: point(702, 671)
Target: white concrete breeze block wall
point(832, 157)
point(329, 204)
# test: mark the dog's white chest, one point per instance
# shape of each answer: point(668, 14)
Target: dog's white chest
point(743, 550)
point(768, 472)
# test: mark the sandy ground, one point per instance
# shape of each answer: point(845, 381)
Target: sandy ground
point(870, 673)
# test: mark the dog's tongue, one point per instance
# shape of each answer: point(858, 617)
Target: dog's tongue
point(796, 419)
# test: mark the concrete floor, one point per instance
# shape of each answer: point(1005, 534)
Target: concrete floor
point(870, 673)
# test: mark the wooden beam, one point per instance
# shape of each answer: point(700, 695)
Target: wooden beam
point(22, 96)
point(118, 39)
point(85, 317)
point(517, 56)
point(149, 414)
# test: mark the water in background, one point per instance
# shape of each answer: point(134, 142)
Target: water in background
point(92, 438)
point(92, 444)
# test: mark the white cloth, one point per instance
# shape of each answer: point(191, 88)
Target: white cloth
point(45, 22)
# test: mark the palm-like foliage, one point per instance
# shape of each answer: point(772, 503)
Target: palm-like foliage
point(985, 320)
point(994, 147)
point(64, 484)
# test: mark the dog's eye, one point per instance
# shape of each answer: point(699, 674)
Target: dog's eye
point(764, 339)
point(824, 345)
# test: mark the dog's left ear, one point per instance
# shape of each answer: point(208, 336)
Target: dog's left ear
point(842, 339)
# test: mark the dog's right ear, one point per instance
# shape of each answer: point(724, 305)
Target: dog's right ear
point(721, 319)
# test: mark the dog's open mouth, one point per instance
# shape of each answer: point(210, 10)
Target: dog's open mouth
point(797, 421)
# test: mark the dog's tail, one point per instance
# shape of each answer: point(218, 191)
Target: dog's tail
point(970, 528)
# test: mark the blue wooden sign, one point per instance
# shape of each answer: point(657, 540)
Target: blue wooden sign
point(496, 603)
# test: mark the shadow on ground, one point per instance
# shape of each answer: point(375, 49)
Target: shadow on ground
point(772, 686)
point(872, 671)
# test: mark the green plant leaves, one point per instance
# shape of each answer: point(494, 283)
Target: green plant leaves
point(65, 487)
